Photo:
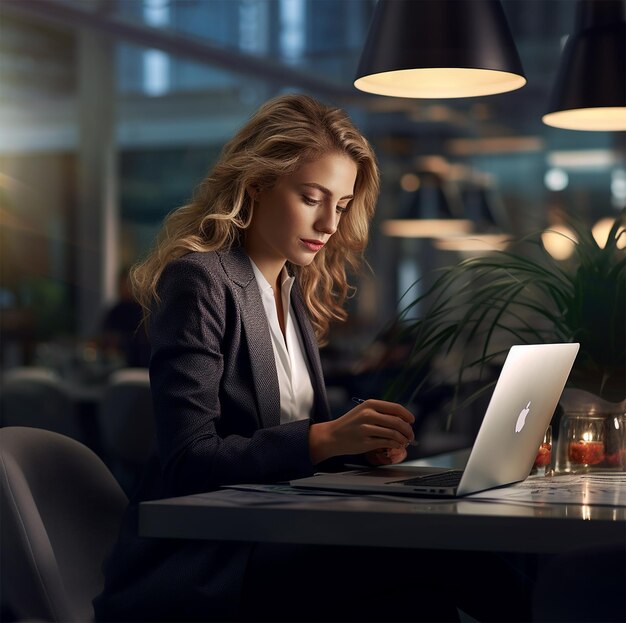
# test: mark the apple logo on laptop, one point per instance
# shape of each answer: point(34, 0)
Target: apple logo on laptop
point(521, 418)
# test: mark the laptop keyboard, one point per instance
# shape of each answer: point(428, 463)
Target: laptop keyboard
point(445, 479)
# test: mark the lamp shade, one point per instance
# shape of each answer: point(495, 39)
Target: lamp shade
point(439, 49)
point(487, 236)
point(476, 202)
point(590, 88)
point(429, 211)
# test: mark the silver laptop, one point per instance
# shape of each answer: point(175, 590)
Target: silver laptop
point(521, 407)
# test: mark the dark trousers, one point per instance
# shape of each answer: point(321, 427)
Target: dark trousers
point(336, 583)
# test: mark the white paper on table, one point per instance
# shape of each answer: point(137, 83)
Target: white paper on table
point(604, 488)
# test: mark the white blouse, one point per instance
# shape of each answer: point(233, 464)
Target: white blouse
point(296, 390)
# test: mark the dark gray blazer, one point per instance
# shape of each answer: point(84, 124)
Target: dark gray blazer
point(217, 408)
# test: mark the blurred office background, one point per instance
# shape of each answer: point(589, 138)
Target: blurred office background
point(111, 111)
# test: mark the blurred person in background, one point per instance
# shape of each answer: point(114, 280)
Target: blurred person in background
point(123, 335)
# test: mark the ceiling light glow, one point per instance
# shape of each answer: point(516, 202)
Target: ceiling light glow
point(556, 179)
point(559, 241)
point(601, 232)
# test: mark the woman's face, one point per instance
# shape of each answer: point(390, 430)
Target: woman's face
point(292, 220)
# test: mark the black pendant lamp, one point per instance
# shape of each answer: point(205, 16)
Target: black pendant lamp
point(487, 235)
point(590, 88)
point(439, 49)
point(428, 212)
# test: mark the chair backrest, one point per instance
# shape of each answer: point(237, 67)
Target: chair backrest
point(126, 422)
point(126, 416)
point(31, 373)
point(59, 514)
point(37, 398)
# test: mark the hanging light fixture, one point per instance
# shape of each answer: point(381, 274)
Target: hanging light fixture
point(430, 211)
point(602, 229)
point(559, 241)
point(480, 207)
point(478, 203)
point(590, 88)
point(439, 49)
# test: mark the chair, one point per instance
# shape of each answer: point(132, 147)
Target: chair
point(60, 513)
point(31, 373)
point(37, 398)
point(126, 422)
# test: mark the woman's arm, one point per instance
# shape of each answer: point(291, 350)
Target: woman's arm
point(370, 426)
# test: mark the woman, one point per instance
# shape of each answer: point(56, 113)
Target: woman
point(240, 288)
point(238, 292)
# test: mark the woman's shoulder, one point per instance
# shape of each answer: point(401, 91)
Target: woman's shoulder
point(222, 265)
point(196, 276)
point(209, 259)
point(190, 269)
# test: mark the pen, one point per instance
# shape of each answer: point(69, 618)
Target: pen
point(358, 401)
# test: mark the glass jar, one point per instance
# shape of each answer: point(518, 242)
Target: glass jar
point(592, 435)
point(543, 461)
point(615, 455)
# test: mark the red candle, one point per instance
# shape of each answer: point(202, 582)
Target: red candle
point(586, 452)
point(544, 455)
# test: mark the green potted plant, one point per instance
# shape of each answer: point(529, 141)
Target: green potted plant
point(478, 308)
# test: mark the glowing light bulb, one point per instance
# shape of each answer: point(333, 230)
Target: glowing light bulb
point(601, 231)
point(559, 241)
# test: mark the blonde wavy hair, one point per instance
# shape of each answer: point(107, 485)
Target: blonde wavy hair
point(281, 136)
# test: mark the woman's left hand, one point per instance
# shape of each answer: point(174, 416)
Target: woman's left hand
point(386, 456)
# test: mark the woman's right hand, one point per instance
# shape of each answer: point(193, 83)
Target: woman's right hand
point(371, 425)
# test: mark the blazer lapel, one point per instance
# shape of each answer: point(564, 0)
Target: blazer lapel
point(257, 334)
point(258, 338)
